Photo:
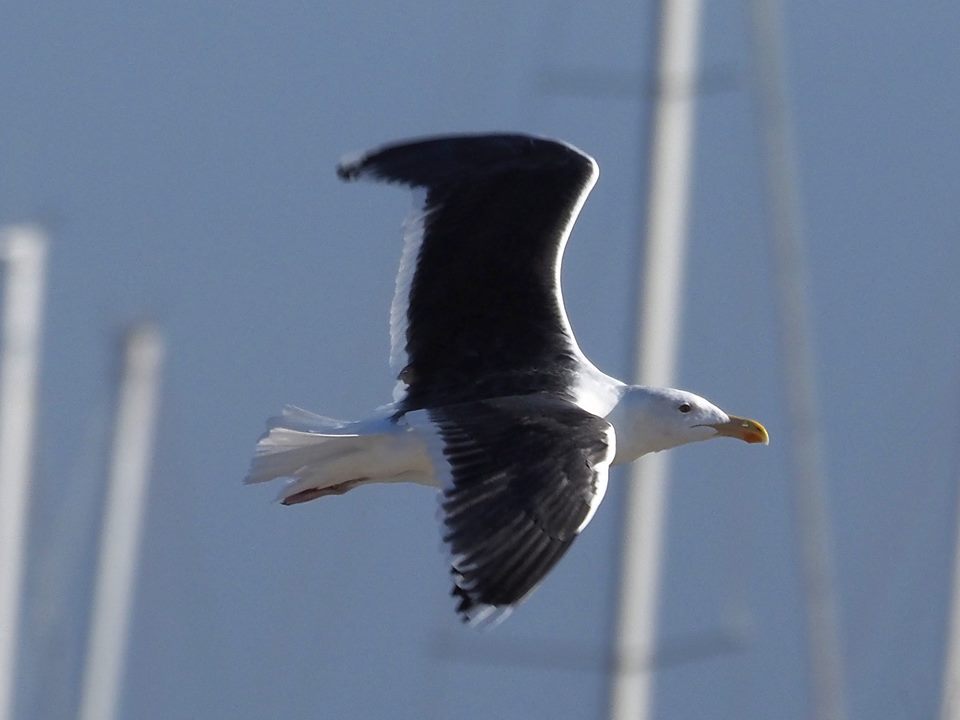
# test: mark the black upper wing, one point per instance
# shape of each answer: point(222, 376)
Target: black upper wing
point(526, 474)
point(484, 316)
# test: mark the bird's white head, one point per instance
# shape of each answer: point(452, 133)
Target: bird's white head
point(652, 419)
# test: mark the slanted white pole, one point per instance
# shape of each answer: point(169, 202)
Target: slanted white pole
point(950, 700)
point(122, 522)
point(659, 312)
point(23, 251)
point(805, 446)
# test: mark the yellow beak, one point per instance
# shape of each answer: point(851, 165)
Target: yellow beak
point(743, 429)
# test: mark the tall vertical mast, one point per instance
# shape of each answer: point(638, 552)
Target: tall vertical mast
point(23, 251)
point(122, 523)
point(658, 313)
point(805, 445)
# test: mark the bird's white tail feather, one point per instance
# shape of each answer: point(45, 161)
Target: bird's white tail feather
point(322, 456)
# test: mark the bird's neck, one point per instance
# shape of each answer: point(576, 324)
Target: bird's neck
point(635, 425)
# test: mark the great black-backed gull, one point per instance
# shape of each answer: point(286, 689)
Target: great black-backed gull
point(495, 404)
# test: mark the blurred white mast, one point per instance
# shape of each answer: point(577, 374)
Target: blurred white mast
point(805, 445)
point(23, 251)
point(950, 701)
point(122, 522)
point(659, 313)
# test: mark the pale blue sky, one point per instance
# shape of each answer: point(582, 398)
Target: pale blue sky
point(182, 155)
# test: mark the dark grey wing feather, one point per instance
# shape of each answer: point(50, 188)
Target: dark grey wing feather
point(525, 475)
point(483, 313)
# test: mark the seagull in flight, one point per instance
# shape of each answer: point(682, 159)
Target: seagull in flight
point(495, 404)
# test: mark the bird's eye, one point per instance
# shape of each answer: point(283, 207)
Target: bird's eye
point(684, 408)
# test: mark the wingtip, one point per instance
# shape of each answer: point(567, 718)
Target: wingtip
point(475, 613)
point(351, 166)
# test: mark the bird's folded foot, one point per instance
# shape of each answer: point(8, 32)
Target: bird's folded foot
point(314, 493)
